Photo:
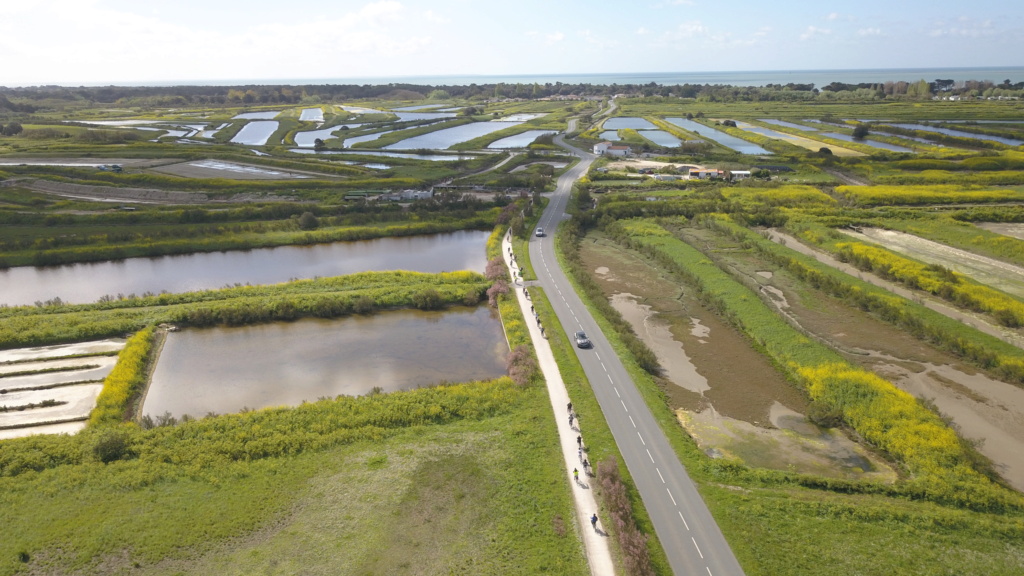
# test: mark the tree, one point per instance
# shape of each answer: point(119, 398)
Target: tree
point(319, 144)
point(12, 129)
point(860, 131)
point(438, 95)
point(824, 151)
point(308, 221)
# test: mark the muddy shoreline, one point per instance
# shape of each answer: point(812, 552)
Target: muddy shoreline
point(727, 396)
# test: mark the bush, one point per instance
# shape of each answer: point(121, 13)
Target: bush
point(496, 269)
point(427, 299)
point(497, 289)
point(633, 542)
point(363, 305)
point(110, 444)
point(521, 365)
point(307, 221)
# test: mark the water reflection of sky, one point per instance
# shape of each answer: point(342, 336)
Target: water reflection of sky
point(256, 133)
point(727, 140)
point(882, 145)
point(661, 138)
point(312, 115)
point(223, 370)
point(308, 138)
point(521, 140)
point(257, 115)
point(960, 133)
point(622, 122)
point(447, 137)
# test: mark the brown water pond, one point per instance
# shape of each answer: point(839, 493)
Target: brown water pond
point(224, 370)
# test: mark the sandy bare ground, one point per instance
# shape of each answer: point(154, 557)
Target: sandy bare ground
point(233, 170)
point(555, 165)
point(132, 195)
point(989, 271)
point(82, 162)
point(811, 144)
point(638, 163)
point(113, 194)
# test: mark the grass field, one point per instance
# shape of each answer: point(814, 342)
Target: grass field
point(473, 495)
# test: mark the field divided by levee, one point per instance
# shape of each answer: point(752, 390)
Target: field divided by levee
point(465, 477)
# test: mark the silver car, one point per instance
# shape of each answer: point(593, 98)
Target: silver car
point(582, 341)
point(539, 233)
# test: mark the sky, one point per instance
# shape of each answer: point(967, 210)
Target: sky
point(89, 42)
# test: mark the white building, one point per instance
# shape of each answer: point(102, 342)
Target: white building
point(607, 148)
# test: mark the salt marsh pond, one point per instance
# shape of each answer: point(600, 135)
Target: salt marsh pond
point(224, 370)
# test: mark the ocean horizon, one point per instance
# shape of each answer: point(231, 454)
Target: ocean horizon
point(819, 78)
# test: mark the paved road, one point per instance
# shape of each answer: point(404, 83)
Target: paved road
point(685, 527)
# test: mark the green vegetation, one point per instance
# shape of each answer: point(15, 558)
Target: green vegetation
point(125, 381)
point(466, 478)
point(454, 478)
point(50, 237)
point(321, 297)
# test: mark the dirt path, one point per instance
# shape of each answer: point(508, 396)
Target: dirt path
point(846, 178)
point(595, 542)
point(132, 195)
point(971, 320)
point(511, 155)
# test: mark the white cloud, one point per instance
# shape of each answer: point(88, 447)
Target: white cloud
point(430, 16)
point(966, 28)
point(553, 38)
point(813, 32)
point(376, 31)
point(598, 40)
point(836, 16)
point(869, 32)
point(691, 29)
point(641, 31)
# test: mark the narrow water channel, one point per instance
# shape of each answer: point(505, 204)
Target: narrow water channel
point(88, 282)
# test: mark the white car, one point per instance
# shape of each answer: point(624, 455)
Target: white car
point(539, 233)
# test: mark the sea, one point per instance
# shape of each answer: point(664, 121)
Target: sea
point(733, 78)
